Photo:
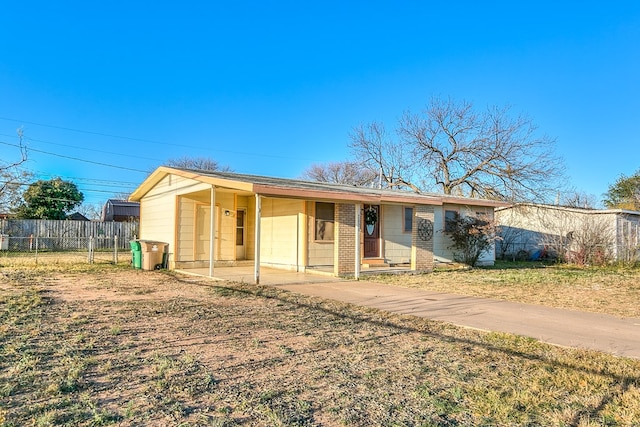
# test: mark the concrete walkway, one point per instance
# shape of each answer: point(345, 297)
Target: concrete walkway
point(567, 328)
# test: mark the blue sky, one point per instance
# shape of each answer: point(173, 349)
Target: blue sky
point(269, 88)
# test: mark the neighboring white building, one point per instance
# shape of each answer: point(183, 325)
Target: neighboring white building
point(530, 231)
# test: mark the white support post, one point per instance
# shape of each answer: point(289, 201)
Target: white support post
point(90, 256)
point(256, 265)
point(358, 213)
point(212, 230)
point(115, 249)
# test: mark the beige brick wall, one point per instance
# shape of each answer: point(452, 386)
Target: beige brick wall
point(422, 251)
point(345, 239)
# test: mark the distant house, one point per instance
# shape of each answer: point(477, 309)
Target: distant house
point(120, 211)
point(531, 230)
point(77, 216)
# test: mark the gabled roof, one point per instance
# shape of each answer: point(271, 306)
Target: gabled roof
point(294, 188)
point(117, 210)
point(124, 203)
point(77, 216)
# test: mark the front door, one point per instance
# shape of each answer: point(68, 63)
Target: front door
point(371, 223)
point(202, 232)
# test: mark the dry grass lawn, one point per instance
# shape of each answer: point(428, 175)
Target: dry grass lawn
point(106, 345)
point(614, 290)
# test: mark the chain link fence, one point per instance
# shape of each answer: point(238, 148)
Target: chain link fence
point(37, 249)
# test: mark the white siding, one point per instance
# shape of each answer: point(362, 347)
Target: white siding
point(320, 253)
point(280, 231)
point(186, 230)
point(226, 226)
point(532, 227)
point(158, 210)
point(397, 243)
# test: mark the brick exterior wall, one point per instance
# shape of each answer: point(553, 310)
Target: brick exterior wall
point(421, 251)
point(344, 239)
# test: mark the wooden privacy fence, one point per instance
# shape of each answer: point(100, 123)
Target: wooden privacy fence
point(120, 232)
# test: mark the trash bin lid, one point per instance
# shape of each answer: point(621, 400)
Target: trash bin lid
point(153, 246)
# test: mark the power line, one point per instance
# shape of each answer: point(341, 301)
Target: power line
point(27, 184)
point(78, 159)
point(101, 182)
point(81, 148)
point(87, 131)
point(253, 154)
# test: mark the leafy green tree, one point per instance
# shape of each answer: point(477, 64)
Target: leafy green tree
point(624, 193)
point(471, 236)
point(51, 199)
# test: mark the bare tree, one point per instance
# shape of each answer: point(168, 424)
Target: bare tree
point(457, 150)
point(385, 156)
point(578, 238)
point(12, 177)
point(93, 211)
point(197, 163)
point(340, 173)
point(577, 199)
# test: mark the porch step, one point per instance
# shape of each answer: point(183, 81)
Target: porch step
point(374, 263)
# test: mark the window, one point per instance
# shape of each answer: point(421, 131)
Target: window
point(407, 226)
point(324, 221)
point(448, 217)
point(239, 228)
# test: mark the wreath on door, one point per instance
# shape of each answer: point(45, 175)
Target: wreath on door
point(370, 216)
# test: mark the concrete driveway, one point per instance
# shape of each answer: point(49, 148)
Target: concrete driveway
point(567, 328)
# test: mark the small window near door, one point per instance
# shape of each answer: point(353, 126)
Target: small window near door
point(448, 217)
point(324, 221)
point(407, 226)
point(239, 228)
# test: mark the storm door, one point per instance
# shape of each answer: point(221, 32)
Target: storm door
point(371, 214)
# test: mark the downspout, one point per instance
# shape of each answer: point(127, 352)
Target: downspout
point(212, 230)
point(256, 265)
point(358, 212)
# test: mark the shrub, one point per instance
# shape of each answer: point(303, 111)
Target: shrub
point(471, 236)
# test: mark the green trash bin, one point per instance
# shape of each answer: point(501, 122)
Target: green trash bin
point(136, 254)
